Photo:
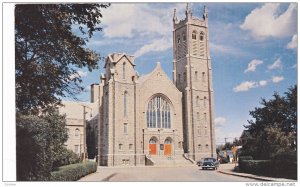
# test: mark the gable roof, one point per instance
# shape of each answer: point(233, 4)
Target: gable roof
point(116, 57)
point(157, 68)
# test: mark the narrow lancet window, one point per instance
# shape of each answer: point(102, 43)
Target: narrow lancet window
point(125, 104)
point(124, 69)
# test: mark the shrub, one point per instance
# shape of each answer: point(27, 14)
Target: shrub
point(241, 158)
point(65, 157)
point(271, 168)
point(73, 172)
point(288, 155)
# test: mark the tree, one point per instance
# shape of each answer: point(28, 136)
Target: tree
point(274, 130)
point(48, 51)
point(40, 144)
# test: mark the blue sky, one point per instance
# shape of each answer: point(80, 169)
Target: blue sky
point(253, 51)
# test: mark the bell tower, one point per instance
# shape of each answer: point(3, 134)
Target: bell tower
point(192, 75)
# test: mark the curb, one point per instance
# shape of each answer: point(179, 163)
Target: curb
point(239, 175)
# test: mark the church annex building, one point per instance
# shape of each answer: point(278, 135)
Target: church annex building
point(151, 120)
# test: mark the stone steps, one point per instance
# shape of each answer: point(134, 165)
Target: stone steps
point(163, 160)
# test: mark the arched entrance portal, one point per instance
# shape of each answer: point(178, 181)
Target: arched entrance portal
point(168, 147)
point(152, 146)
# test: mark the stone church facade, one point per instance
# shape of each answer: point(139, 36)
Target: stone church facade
point(151, 120)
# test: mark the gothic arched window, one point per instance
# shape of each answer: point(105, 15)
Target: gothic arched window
point(158, 113)
point(194, 35)
point(178, 40)
point(77, 132)
point(201, 36)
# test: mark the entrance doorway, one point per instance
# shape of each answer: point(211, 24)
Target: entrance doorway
point(152, 146)
point(168, 147)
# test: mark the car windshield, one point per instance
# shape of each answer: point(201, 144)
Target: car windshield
point(209, 160)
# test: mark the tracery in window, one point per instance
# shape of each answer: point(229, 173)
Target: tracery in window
point(158, 113)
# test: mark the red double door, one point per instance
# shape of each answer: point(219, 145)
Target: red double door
point(167, 149)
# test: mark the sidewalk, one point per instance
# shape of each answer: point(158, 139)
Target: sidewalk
point(229, 170)
point(102, 174)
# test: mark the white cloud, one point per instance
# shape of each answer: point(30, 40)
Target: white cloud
point(245, 86)
point(294, 66)
point(78, 74)
point(122, 20)
point(155, 45)
point(252, 65)
point(277, 79)
point(293, 43)
point(265, 22)
point(276, 65)
point(263, 83)
point(220, 121)
point(144, 22)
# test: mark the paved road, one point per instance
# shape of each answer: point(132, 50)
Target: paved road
point(157, 174)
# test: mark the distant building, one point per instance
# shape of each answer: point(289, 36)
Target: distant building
point(74, 118)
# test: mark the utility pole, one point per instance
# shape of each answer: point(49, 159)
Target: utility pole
point(84, 131)
point(225, 140)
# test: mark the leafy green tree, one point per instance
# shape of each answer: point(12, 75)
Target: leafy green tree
point(40, 144)
point(274, 130)
point(48, 51)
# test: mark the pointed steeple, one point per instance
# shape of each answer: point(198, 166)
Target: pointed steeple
point(188, 11)
point(174, 16)
point(205, 13)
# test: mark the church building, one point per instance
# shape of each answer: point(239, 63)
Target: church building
point(152, 117)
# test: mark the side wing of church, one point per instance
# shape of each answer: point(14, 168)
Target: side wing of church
point(151, 120)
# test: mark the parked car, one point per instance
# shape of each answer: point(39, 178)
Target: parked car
point(210, 163)
point(199, 163)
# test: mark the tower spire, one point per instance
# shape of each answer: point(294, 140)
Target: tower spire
point(205, 13)
point(188, 11)
point(174, 16)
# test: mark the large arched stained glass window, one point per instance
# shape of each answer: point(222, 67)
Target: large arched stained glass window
point(158, 113)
